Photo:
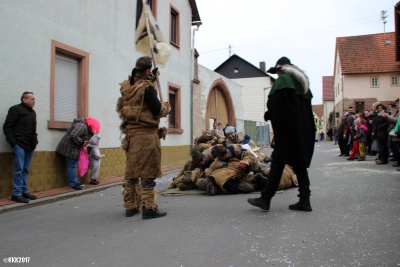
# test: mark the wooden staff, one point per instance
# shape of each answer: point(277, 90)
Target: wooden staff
point(151, 42)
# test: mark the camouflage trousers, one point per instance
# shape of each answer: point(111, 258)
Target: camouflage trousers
point(139, 195)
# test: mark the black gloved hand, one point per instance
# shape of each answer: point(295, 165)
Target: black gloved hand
point(155, 71)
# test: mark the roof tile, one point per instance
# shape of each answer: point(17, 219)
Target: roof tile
point(367, 53)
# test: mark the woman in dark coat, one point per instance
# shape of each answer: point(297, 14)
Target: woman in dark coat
point(77, 136)
point(291, 116)
point(381, 134)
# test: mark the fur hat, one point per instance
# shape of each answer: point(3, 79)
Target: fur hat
point(281, 62)
point(95, 139)
point(229, 129)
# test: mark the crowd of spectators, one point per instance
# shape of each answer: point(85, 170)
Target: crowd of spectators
point(374, 132)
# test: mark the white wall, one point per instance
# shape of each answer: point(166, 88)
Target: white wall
point(104, 29)
point(328, 107)
point(254, 97)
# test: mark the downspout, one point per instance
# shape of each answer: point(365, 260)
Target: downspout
point(343, 93)
point(197, 23)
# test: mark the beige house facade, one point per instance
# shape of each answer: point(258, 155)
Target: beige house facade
point(365, 71)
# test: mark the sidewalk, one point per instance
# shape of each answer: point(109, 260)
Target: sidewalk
point(46, 196)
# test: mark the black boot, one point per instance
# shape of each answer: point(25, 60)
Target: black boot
point(262, 203)
point(302, 205)
point(150, 214)
point(131, 212)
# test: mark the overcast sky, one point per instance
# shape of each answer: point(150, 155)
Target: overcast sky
point(304, 31)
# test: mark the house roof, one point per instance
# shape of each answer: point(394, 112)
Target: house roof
point(195, 11)
point(318, 110)
point(236, 67)
point(367, 53)
point(327, 88)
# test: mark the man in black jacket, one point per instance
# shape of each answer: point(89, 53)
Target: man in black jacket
point(294, 132)
point(20, 131)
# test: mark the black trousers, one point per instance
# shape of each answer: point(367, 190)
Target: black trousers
point(275, 176)
point(341, 144)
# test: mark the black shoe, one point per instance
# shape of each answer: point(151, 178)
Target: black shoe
point(381, 162)
point(260, 202)
point(392, 159)
point(151, 214)
point(131, 212)
point(340, 155)
point(302, 205)
point(396, 165)
point(29, 196)
point(19, 199)
point(348, 158)
point(78, 187)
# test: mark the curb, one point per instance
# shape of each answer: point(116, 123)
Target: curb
point(54, 198)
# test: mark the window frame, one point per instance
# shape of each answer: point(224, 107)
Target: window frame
point(174, 12)
point(372, 82)
point(397, 80)
point(153, 7)
point(178, 119)
point(83, 82)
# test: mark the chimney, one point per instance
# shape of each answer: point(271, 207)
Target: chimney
point(262, 66)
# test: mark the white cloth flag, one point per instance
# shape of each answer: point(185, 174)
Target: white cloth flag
point(161, 48)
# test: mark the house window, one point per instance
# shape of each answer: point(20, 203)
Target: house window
point(153, 7)
point(235, 70)
point(172, 100)
point(68, 85)
point(174, 27)
point(394, 80)
point(174, 118)
point(374, 81)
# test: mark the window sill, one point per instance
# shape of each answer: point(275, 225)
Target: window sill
point(58, 124)
point(174, 131)
point(174, 45)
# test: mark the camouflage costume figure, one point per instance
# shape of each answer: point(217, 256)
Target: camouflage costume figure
point(194, 168)
point(234, 137)
point(140, 110)
point(228, 173)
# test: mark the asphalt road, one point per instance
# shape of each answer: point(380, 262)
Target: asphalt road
point(355, 222)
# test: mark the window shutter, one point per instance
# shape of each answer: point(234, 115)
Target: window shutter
point(66, 88)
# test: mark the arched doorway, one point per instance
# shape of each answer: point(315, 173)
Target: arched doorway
point(219, 105)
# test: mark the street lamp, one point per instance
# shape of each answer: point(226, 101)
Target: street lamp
point(265, 104)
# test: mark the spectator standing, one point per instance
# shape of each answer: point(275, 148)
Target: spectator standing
point(20, 131)
point(77, 136)
point(219, 133)
point(94, 158)
point(340, 133)
point(380, 133)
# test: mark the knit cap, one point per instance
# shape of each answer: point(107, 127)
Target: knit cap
point(95, 139)
point(229, 129)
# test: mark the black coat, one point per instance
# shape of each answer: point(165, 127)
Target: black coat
point(20, 127)
point(293, 124)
